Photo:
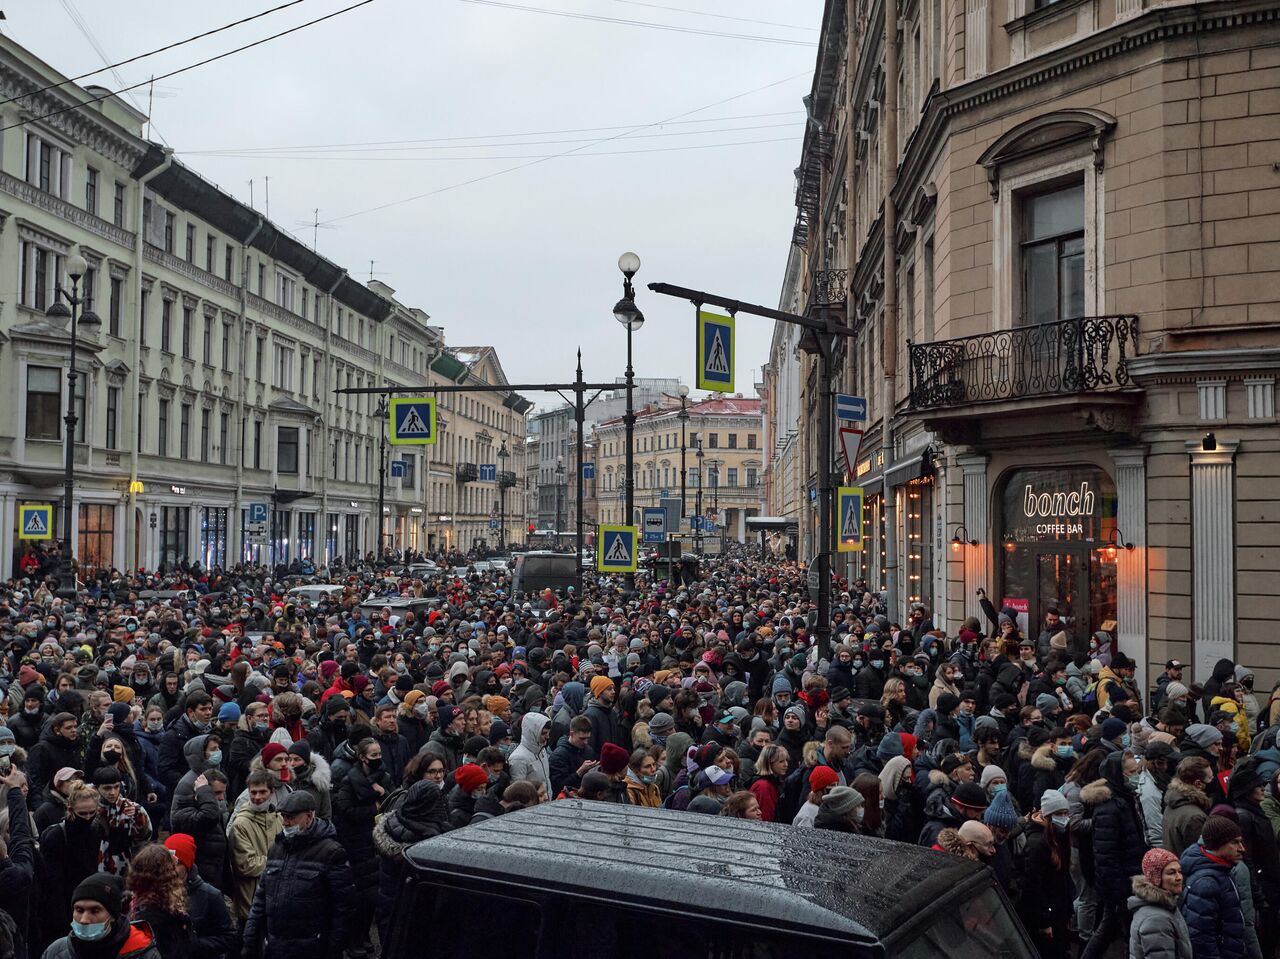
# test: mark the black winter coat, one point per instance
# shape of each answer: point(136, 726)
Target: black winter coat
point(1118, 845)
point(246, 745)
point(173, 764)
point(1052, 893)
point(419, 816)
point(355, 804)
point(305, 897)
point(47, 756)
point(215, 936)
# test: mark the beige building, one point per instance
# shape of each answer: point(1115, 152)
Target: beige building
point(1053, 230)
point(729, 473)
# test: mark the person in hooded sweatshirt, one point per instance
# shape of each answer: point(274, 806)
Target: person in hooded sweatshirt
point(1224, 670)
point(1157, 929)
point(199, 806)
point(573, 697)
point(529, 760)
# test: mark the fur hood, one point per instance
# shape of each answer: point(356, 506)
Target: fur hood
point(1146, 893)
point(950, 842)
point(1042, 758)
point(937, 777)
point(1025, 749)
point(1182, 794)
point(1095, 793)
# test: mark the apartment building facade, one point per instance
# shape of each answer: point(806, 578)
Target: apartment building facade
point(211, 383)
point(1049, 230)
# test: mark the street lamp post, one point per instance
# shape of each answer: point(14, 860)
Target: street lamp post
point(58, 311)
point(683, 417)
point(559, 488)
point(628, 314)
point(503, 453)
point(381, 413)
point(697, 506)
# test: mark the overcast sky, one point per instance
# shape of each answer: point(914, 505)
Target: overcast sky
point(525, 261)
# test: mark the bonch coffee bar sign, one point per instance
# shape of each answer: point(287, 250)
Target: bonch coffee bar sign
point(1058, 504)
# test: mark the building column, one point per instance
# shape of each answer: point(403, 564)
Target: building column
point(977, 524)
point(1131, 564)
point(1213, 612)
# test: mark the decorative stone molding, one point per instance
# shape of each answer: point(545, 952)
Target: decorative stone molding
point(63, 210)
point(36, 233)
point(1213, 399)
point(1213, 615)
point(1260, 391)
point(1046, 134)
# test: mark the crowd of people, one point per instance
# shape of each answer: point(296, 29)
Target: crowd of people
point(199, 765)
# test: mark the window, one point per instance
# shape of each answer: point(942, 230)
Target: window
point(302, 375)
point(752, 476)
point(285, 286)
point(283, 368)
point(97, 535)
point(44, 402)
point(315, 378)
point(142, 317)
point(91, 190)
point(226, 346)
point(79, 405)
point(39, 272)
point(207, 354)
point(257, 444)
point(1053, 255)
point(410, 470)
point(751, 441)
point(187, 320)
point(117, 208)
point(210, 252)
point(733, 441)
point(166, 326)
point(224, 420)
point(89, 286)
point(162, 430)
point(228, 257)
point(184, 432)
point(304, 312)
point(140, 406)
point(170, 224)
point(113, 416)
point(287, 449)
point(732, 477)
point(48, 166)
point(259, 357)
point(695, 477)
point(713, 440)
point(262, 279)
point(204, 435)
point(191, 243)
point(115, 305)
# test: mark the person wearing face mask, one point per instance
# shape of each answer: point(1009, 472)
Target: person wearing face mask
point(29, 717)
point(252, 830)
point(99, 929)
point(411, 721)
point(199, 806)
point(1118, 847)
point(841, 811)
point(304, 903)
point(1051, 761)
point(1230, 700)
point(311, 773)
point(70, 850)
point(356, 798)
point(1047, 907)
point(945, 682)
point(252, 732)
point(869, 682)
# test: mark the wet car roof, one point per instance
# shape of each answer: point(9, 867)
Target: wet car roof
point(860, 887)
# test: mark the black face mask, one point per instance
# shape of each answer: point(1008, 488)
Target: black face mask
point(374, 764)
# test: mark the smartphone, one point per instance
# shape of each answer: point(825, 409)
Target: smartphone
point(6, 766)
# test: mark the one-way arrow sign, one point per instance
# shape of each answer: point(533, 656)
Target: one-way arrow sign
point(850, 443)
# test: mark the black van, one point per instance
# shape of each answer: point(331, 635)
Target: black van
point(541, 569)
point(596, 880)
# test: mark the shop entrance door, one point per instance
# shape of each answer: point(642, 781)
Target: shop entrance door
point(1062, 582)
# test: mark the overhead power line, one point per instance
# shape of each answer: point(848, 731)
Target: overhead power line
point(717, 16)
point(201, 63)
point(152, 53)
point(544, 159)
point(598, 18)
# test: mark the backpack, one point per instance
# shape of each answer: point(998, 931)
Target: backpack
point(1090, 702)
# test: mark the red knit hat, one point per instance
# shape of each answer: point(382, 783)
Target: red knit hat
point(183, 848)
point(908, 745)
point(822, 777)
point(1154, 863)
point(613, 759)
point(471, 777)
point(270, 751)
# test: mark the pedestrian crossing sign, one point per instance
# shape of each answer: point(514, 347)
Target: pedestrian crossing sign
point(849, 518)
point(715, 352)
point(616, 549)
point(35, 522)
point(412, 421)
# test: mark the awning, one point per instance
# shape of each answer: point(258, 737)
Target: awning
point(907, 470)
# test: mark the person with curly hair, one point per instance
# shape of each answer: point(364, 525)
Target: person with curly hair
point(160, 899)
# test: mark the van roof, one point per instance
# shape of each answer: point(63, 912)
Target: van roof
point(856, 886)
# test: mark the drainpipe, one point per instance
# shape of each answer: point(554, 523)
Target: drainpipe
point(132, 559)
point(889, 342)
point(326, 395)
point(243, 393)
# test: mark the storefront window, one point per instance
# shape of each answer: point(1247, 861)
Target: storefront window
point(213, 536)
point(917, 521)
point(331, 538)
point(306, 535)
point(351, 541)
point(279, 536)
point(97, 536)
point(1053, 523)
point(872, 557)
point(175, 526)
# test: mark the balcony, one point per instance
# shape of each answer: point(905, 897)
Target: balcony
point(468, 472)
point(506, 479)
point(1079, 366)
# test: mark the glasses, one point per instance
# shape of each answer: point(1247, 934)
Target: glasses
point(435, 772)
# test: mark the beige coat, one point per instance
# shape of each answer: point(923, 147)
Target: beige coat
point(251, 834)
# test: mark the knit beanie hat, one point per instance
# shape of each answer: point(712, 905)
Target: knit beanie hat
point(1217, 831)
point(1153, 864)
point(599, 684)
point(842, 800)
point(103, 888)
point(301, 748)
point(1176, 689)
point(613, 759)
point(270, 751)
point(970, 795)
point(992, 773)
point(661, 724)
point(183, 848)
point(471, 777)
point(822, 777)
point(1053, 802)
point(1203, 736)
point(1001, 812)
point(1047, 702)
point(797, 711)
point(948, 703)
point(1113, 728)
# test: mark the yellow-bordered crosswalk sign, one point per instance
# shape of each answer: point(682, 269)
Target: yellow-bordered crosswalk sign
point(35, 522)
point(715, 352)
point(616, 549)
point(412, 421)
point(849, 519)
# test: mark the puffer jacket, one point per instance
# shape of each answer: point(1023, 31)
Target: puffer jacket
point(355, 804)
point(1050, 904)
point(1049, 771)
point(1185, 810)
point(939, 814)
point(305, 899)
point(1211, 906)
point(1239, 720)
point(135, 941)
point(316, 778)
point(199, 814)
point(529, 759)
point(1157, 930)
point(1118, 846)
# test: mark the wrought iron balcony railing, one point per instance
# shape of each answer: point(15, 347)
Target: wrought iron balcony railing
point(468, 472)
point(830, 287)
point(506, 479)
point(1067, 357)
